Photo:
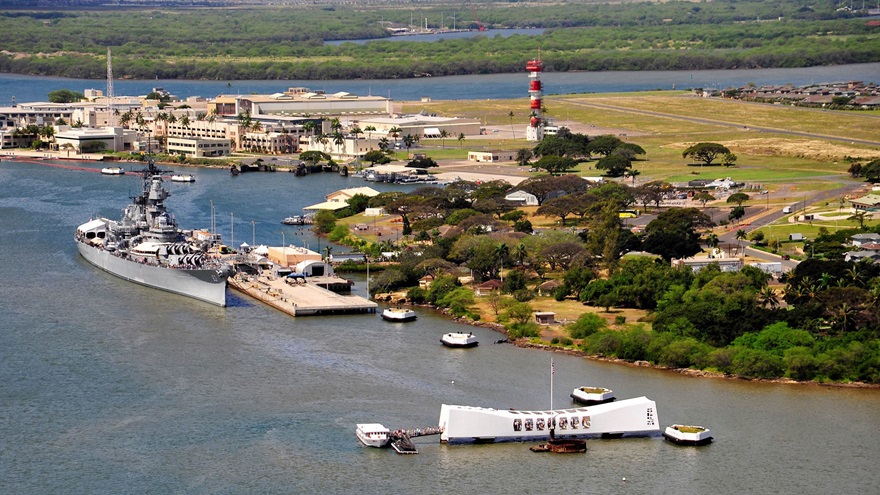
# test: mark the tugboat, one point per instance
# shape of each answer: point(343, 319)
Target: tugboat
point(146, 246)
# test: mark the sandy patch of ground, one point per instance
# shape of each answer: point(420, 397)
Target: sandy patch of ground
point(800, 148)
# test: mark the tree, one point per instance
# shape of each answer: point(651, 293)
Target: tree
point(673, 234)
point(64, 96)
point(523, 155)
point(510, 115)
point(871, 171)
point(615, 165)
point(376, 156)
point(555, 164)
point(703, 197)
point(705, 152)
point(604, 145)
point(738, 198)
point(460, 138)
point(728, 159)
point(736, 213)
point(443, 135)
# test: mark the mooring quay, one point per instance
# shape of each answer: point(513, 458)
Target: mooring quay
point(301, 297)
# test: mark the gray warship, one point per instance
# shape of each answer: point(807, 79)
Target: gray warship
point(147, 247)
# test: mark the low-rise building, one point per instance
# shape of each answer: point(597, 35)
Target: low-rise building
point(491, 156)
point(199, 147)
point(697, 264)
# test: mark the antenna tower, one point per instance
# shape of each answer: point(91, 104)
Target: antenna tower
point(112, 119)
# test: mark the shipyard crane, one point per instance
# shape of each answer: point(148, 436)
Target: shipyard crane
point(480, 25)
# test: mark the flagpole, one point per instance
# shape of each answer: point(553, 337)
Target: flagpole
point(552, 372)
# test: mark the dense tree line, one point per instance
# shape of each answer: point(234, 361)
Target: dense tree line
point(279, 43)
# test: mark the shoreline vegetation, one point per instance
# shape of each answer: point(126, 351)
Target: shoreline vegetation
point(277, 43)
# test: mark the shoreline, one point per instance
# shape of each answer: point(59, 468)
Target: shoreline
point(525, 344)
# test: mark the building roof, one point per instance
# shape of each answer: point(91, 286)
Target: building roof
point(870, 200)
point(327, 205)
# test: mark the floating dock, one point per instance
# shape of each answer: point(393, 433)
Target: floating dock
point(300, 297)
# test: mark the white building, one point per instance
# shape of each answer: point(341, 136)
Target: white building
point(199, 147)
point(522, 198)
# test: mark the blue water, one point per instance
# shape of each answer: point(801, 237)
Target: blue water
point(110, 387)
point(476, 87)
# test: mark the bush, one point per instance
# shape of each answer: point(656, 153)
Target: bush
point(417, 295)
point(517, 330)
point(523, 295)
point(756, 363)
point(458, 301)
point(587, 324)
point(619, 320)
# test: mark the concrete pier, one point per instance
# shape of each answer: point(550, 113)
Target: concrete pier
point(299, 297)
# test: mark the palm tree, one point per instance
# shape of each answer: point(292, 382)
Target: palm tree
point(125, 118)
point(338, 140)
point(520, 252)
point(394, 132)
point(711, 240)
point(501, 251)
point(163, 118)
point(767, 297)
point(370, 129)
point(511, 124)
point(443, 135)
point(355, 131)
point(384, 144)
point(460, 138)
point(859, 217)
point(740, 236)
point(408, 141)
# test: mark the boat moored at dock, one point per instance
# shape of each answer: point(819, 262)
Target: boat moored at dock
point(459, 340)
point(467, 423)
point(113, 171)
point(146, 247)
point(373, 434)
point(590, 396)
point(688, 435)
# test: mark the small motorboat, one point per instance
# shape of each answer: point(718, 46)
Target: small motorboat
point(294, 220)
point(182, 178)
point(398, 314)
point(688, 435)
point(373, 434)
point(113, 171)
point(459, 339)
point(590, 396)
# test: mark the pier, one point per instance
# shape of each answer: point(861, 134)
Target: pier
point(401, 440)
point(300, 297)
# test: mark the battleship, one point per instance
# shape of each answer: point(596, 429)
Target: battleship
point(147, 247)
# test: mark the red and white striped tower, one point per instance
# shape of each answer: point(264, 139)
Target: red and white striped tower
point(535, 130)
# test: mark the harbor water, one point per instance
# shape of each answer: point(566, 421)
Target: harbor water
point(19, 88)
point(110, 387)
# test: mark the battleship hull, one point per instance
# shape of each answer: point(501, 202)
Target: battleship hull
point(207, 285)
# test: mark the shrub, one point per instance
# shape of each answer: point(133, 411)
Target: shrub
point(619, 320)
point(523, 295)
point(517, 330)
point(417, 295)
point(587, 324)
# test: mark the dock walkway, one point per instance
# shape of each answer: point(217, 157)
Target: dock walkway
point(299, 297)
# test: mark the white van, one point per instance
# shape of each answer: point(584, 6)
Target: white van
point(787, 209)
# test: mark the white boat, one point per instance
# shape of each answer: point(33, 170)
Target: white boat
point(467, 423)
point(183, 178)
point(398, 314)
point(373, 434)
point(294, 220)
point(459, 339)
point(688, 434)
point(113, 171)
point(589, 396)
